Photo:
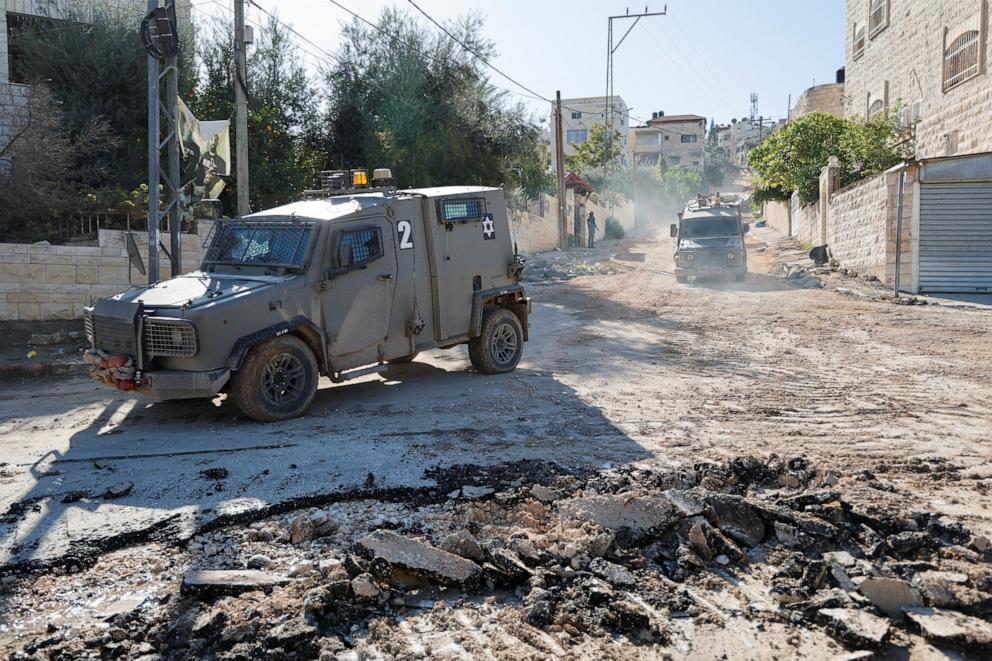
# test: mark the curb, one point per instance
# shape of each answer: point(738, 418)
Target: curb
point(27, 369)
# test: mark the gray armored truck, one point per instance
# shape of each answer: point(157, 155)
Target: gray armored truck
point(340, 284)
point(710, 241)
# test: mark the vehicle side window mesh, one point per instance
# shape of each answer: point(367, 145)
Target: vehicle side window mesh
point(365, 245)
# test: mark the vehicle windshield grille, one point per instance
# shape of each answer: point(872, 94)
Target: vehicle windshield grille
point(697, 229)
point(279, 244)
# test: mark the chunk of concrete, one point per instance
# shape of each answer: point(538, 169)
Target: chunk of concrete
point(943, 589)
point(419, 558)
point(209, 583)
point(612, 573)
point(951, 628)
point(464, 544)
point(735, 517)
point(637, 511)
point(855, 627)
point(890, 595)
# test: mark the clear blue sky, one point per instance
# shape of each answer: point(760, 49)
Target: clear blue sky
point(705, 57)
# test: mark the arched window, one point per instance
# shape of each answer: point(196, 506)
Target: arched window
point(961, 58)
point(876, 107)
point(859, 41)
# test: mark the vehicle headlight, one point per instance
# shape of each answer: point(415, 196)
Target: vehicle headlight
point(688, 256)
point(169, 338)
point(731, 256)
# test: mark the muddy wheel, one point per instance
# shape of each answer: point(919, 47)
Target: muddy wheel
point(403, 359)
point(277, 381)
point(499, 348)
point(682, 279)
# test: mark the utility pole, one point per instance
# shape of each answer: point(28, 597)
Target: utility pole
point(160, 31)
point(241, 103)
point(610, 50)
point(560, 174)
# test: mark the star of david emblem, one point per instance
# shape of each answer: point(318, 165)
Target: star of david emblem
point(488, 228)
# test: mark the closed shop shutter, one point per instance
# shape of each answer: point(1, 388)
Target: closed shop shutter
point(956, 237)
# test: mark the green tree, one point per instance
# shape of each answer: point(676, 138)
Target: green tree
point(718, 165)
point(791, 158)
point(406, 97)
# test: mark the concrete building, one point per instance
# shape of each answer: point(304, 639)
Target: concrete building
point(928, 62)
point(679, 139)
point(827, 98)
point(579, 115)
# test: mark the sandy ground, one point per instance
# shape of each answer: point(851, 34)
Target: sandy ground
point(626, 368)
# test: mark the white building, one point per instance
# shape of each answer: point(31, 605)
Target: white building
point(679, 139)
point(578, 116)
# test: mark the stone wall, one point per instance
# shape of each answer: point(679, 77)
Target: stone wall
point(903, 64)
point(807, 222)
point(56, 282)
point(777, 216)
point(857, 217)
point(820, 98)
point(910, 204)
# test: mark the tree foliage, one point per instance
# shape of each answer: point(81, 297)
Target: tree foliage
point(791, 158)
point(409, 98)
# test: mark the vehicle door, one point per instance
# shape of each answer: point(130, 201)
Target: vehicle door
point(359, 289)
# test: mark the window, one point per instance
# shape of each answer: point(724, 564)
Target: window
point(875, 107)
point(575, 136)
point(647, 139)
point(362, 246)
point(259, 243)
point(666, 138)
point(961, 58)
point(859, 41)
point(454, 211)
point(576, 115)
point(878, 16)
point(690, 138)
point(696, 163)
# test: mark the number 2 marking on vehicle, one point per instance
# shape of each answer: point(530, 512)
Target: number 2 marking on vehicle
point(405, 230)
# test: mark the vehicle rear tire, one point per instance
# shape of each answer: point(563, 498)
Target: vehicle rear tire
point(403, 359)
point(277, 381)
point(682, 279)
point(499, 347)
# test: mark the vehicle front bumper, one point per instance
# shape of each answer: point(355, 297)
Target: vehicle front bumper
point(710, 271)
point(175, 384)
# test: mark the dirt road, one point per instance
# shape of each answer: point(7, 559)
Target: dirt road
point(623, 369)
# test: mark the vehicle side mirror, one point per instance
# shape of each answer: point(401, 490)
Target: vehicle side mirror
point(747, 228)
point(344, 256)
point(674, 229)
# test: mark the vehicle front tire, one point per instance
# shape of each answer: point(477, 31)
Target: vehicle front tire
point(500, 346)
point(277, 381)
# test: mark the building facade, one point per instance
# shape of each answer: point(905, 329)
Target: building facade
point(925, 62)
point(820, 98)
point(678, 139)
point(579, 115)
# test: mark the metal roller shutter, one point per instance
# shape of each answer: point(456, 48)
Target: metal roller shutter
point(956, 237)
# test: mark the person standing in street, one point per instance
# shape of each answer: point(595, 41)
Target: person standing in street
point(591, 225)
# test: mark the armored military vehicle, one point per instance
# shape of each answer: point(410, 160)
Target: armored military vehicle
point(710, 240)
point(350, 279)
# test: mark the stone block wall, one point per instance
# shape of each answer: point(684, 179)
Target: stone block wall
point(807, 221)
point(909, 203)
point(903, 64)
point(777, 216)
point(856, 225)
point(43, 282)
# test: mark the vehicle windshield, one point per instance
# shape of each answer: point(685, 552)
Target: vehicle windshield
point(259, 243)
point(704, 227)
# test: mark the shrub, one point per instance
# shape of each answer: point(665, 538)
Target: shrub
point(613, 229)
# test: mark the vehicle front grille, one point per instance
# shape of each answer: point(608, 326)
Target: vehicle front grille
point(169, 338)
point(710, 257)
point(112, 334)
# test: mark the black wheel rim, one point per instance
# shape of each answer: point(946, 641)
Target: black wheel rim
point(284, 380)
point(503, 345)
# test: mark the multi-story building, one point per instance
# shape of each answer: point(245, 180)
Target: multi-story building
point(678, 139)
point(927, 63)
point(578, 116)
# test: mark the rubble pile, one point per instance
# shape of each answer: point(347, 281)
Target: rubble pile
point(617, 555)
point(557, 266)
